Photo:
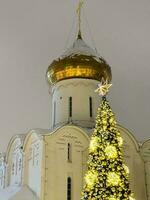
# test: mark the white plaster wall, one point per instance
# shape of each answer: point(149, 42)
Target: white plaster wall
point(16, 174)
point(14, 155)
point(33, 163)
point(80, 90)
point(58, 168)
point(46, 166)
point(147, 168)
point(35, 168)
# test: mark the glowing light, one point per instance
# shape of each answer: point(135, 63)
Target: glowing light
point(131, 197)
point(94, 143)
point(120, 141)
point(113, 198)
point(107, 175)
point(91, 178)
point(111, 151)
point(113, 179)
point(126, 169)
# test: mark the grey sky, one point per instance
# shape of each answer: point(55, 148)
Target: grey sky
point(34, 32)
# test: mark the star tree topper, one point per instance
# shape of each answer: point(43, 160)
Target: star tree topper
point(103, 88)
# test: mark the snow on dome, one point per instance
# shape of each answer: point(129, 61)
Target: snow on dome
point(79, 61)
point(79, 47)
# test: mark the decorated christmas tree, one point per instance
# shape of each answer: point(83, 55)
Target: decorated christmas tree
point(107, 176)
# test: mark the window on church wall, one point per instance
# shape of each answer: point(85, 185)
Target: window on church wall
point(37, 162)
point(90, 107)
point(16, 167)
point(37, 154)
point(69, 188)
point(1, 181)
point(70, 106)
point(69, 152)
point(1, 177)
point(54, 113)
point(20, 164)
point(13, 168)
point(33, 157)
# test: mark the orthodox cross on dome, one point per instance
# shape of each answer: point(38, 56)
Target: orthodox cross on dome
point(103, 88)
point(80, 5)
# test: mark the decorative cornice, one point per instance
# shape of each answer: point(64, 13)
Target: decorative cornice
point(74, 83)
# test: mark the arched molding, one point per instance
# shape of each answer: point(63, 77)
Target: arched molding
point(33, 156)
point(74, 83)
point(67, 127)
point(18, 139)
point(14, 152)
point(145, 150)
point(37, 134)
point(130, 135)
point(146, 143)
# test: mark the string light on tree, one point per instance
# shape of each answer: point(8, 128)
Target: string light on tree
point(94, 144)
point(107, 176)
point(113, 179)
point(111, 152)
point(91, 178)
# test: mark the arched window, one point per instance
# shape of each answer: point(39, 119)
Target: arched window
point(54, 113)
point(90, 107)
point(69, 152)
point(33, 157)
point(20, 164)
point(13, 168)
point(69, 188)
point(1, 177)
point(16, 166)
point(70, 106)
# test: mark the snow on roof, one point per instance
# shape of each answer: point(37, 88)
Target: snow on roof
point(39, 131)
point(79, 47)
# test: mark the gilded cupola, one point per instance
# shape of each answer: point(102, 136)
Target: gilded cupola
point(79, 61)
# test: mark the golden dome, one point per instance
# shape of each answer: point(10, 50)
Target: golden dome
point(79, 61)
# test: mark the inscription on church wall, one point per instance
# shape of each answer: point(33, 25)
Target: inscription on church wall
point(62, 143)
point(70, 136)
point(77, 142)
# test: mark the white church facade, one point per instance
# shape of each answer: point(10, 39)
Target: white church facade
point(50, 164)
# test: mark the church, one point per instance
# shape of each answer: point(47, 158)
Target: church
point(50, 164)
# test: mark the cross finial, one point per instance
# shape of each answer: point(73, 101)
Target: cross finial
point(80, 4)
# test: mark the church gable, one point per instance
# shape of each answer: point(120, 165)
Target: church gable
point(65, 152)
point(33, 150)
point(135, 163)
point(14, 160)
